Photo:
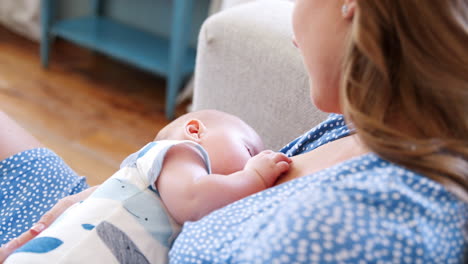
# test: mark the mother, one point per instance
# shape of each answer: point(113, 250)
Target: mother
point(392, 188)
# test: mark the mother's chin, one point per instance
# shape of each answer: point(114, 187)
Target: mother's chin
point(326, 100)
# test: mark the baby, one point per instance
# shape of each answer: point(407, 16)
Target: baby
point(198, 163)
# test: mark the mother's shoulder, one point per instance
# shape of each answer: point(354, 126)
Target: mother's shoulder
point(374, 179)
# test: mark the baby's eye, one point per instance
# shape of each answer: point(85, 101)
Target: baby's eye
point(250, 151)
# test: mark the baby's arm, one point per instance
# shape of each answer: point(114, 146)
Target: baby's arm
point(189, 193)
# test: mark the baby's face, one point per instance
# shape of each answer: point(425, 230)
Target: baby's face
point(230, 145)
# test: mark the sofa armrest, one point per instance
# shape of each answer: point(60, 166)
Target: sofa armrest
point(248, 66)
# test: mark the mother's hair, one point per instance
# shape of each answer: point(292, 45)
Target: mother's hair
point(405, 85)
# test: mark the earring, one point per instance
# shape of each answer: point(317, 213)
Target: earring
point(344, 9)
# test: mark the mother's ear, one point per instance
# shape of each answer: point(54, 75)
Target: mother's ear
point(348, 9)
point(194, 130)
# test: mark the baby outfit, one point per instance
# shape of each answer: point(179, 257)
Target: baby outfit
point(123, 221)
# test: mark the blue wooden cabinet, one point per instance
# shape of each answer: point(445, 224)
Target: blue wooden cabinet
point(169, 57)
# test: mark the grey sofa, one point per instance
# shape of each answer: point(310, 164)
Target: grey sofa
point(248, 66)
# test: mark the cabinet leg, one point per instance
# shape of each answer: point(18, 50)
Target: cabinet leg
point(180, 36)
point(96, 6)
point(47, 16)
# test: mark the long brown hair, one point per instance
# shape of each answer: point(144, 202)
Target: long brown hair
point(405, 85)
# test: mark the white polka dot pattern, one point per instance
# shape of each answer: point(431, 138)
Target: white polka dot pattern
point(31, 182)
point(364, 210)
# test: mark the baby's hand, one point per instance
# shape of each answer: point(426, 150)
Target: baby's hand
point(269, 165)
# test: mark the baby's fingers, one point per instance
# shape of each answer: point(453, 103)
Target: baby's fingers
point(282, 166)
point(279, 157)
point(58, 209)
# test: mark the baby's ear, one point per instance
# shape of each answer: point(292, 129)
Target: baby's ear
point(194, 130)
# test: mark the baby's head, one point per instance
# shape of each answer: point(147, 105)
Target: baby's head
point(229, 141)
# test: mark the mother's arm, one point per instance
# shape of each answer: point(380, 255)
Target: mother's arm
point(13, 138)
point(46, 220)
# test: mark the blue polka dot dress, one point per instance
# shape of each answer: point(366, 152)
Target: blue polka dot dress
point(31, 182)
point(364, 210)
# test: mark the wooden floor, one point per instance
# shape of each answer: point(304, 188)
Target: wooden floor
point(92, 110)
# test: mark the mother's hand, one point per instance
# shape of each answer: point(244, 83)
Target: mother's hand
point(46, 220)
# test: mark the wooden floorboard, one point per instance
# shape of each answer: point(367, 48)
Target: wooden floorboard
point(90, 109)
